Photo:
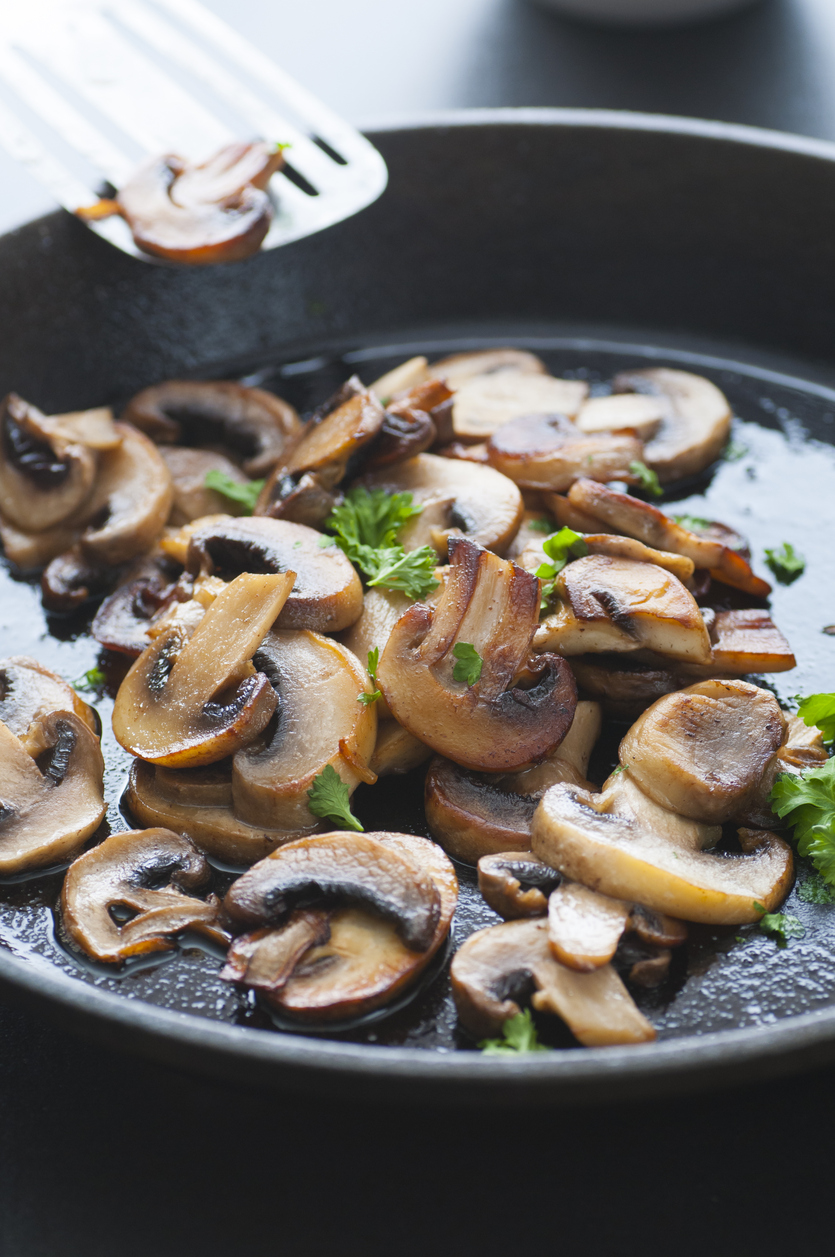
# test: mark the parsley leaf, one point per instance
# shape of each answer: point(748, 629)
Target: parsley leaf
point(785, 563)
point(245, 494)
point(813, 889)
point(330, 798)
point(781, 925)
point(469, 665)
point(369, 697)
point(808, 801)
point(366, 527)
point(621, 768)
point(393, 568)
point(647, 478)
point(93, 679)
point(559, 548)
point(518, 1036)
point(694, 523)
point(734, 451)
point(541, 524)
point(818, 711)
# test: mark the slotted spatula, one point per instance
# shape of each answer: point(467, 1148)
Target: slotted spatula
point(89, 89)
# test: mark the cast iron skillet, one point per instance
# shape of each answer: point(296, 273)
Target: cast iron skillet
point(597, 238)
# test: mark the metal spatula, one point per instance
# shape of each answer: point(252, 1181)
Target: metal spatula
point(89, 89)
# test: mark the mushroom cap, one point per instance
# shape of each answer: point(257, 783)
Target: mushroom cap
point(255, 426)
point(472, 500)
point(486, 403)
point(327, 592)
point(362, 965)
point(319, 721)
point(51, 794)
point(45, 476)
point(201, 214)
point(695, 423)
point(702, 751)
point(122, 621)
point(547, 451)
point(172, 707)
point(147, 874)
point(596, 1006)
point(516, 884)
point(624, 845)
point(494, 724)
point(29, 692)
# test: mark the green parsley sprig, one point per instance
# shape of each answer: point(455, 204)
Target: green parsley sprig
point(246, 495)
point(785, 563)
point(560, 549)
point(780, 925)
point(469, 665)
point(818, 711)
point(366, 527)
point(807, 801)
point(518, 1037)
point(813, 889)
point(330, 798)
point(370, 696)
point(693, 523)
point(647, 478)
point(541, 524)
point(93, 679)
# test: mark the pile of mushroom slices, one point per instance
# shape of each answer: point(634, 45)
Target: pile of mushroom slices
point(248, 636)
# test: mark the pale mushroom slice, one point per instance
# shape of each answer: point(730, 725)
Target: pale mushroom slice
point(93, 428)
point(29, 692)
point(457, 369)
point(45, 476)
point(400, 379)
point(381, 610)
point(29, 551)
point(643, 413)
point(192, 701)
point(624, 845)
point(548, 452)
point(133, 894)
point(254, 426)
point(473, 814)
point(516, 884)
point(319, 722)
point(365, 962)
point(192, 498)
point(327, 592)
point(695, 424)
point(458, 498)
point(493, 724)
point(397, 751)
point(130, 502)
point(494, 966)
point(619, 605)
point(486, 403)
point(638, 519)
point(615, 547)
point(702, 751)
point(584, 927)
point(51, 793)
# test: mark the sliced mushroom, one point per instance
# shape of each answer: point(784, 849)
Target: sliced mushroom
point(130, 502)
point(51, 794)
point(29, 551)
point(643, 413)
point(121, 622)
point(745, 642)
point(71, 579)
point(584, 927)
point(533, 530)
point(486, 403)
point(327, 592)
point(206, 212)
point(458, 369)
point(495, 965)
point(696, 422)
point(408, 428)
point(493, 724)
point(473, 501)
point(802, 748)
point(549, 452)
point(132, 894)
point(624, 845)
point(45, 477)
point(702, 751)
point(400, 379)
point(516, 884)
point(397, 751)
point(622, 685)
point(29, 692)
point(615, 547)
point(619, 605)
point(192, 499)
point(255, 426)
point(319, 722)
point(381, 610)
point(364, 963)
point(638, 519)
point(193, 701)
point(472, 814)
point(93, 428)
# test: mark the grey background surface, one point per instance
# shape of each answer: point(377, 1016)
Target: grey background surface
point(100, 1154)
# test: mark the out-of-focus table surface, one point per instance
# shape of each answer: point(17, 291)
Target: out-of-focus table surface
point(101, 1154)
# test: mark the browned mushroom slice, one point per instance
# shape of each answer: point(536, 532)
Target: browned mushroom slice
point(327, 593)
point(472, 814)
point(206, 212)
point(132, 894)
point(638, 519)
point(494, 724)
point(655, 928)
point(623, 687)
point(130, 502)
point(549, 452)
point(702, 751)
point(486, 403)
point(695, 423)
point(51, 797)
point(495, 964)
point(401, 379)
point(458, 369)
point(29, 692)
point(618, 605)
point(516, 884)
point(193, 701)
point(365, 963)
point(265, 959)
point(623, 844)
point(319, 722)
point(255, 426)
point(71, 579)
point(408, 428)
point(121, 622)
point(397, 751)
point(747, 641)
point(533, 555)
point(584, 927)
point(44, 476)
point(802, 748)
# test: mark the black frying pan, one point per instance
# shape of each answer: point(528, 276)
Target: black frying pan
point(597, 239)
